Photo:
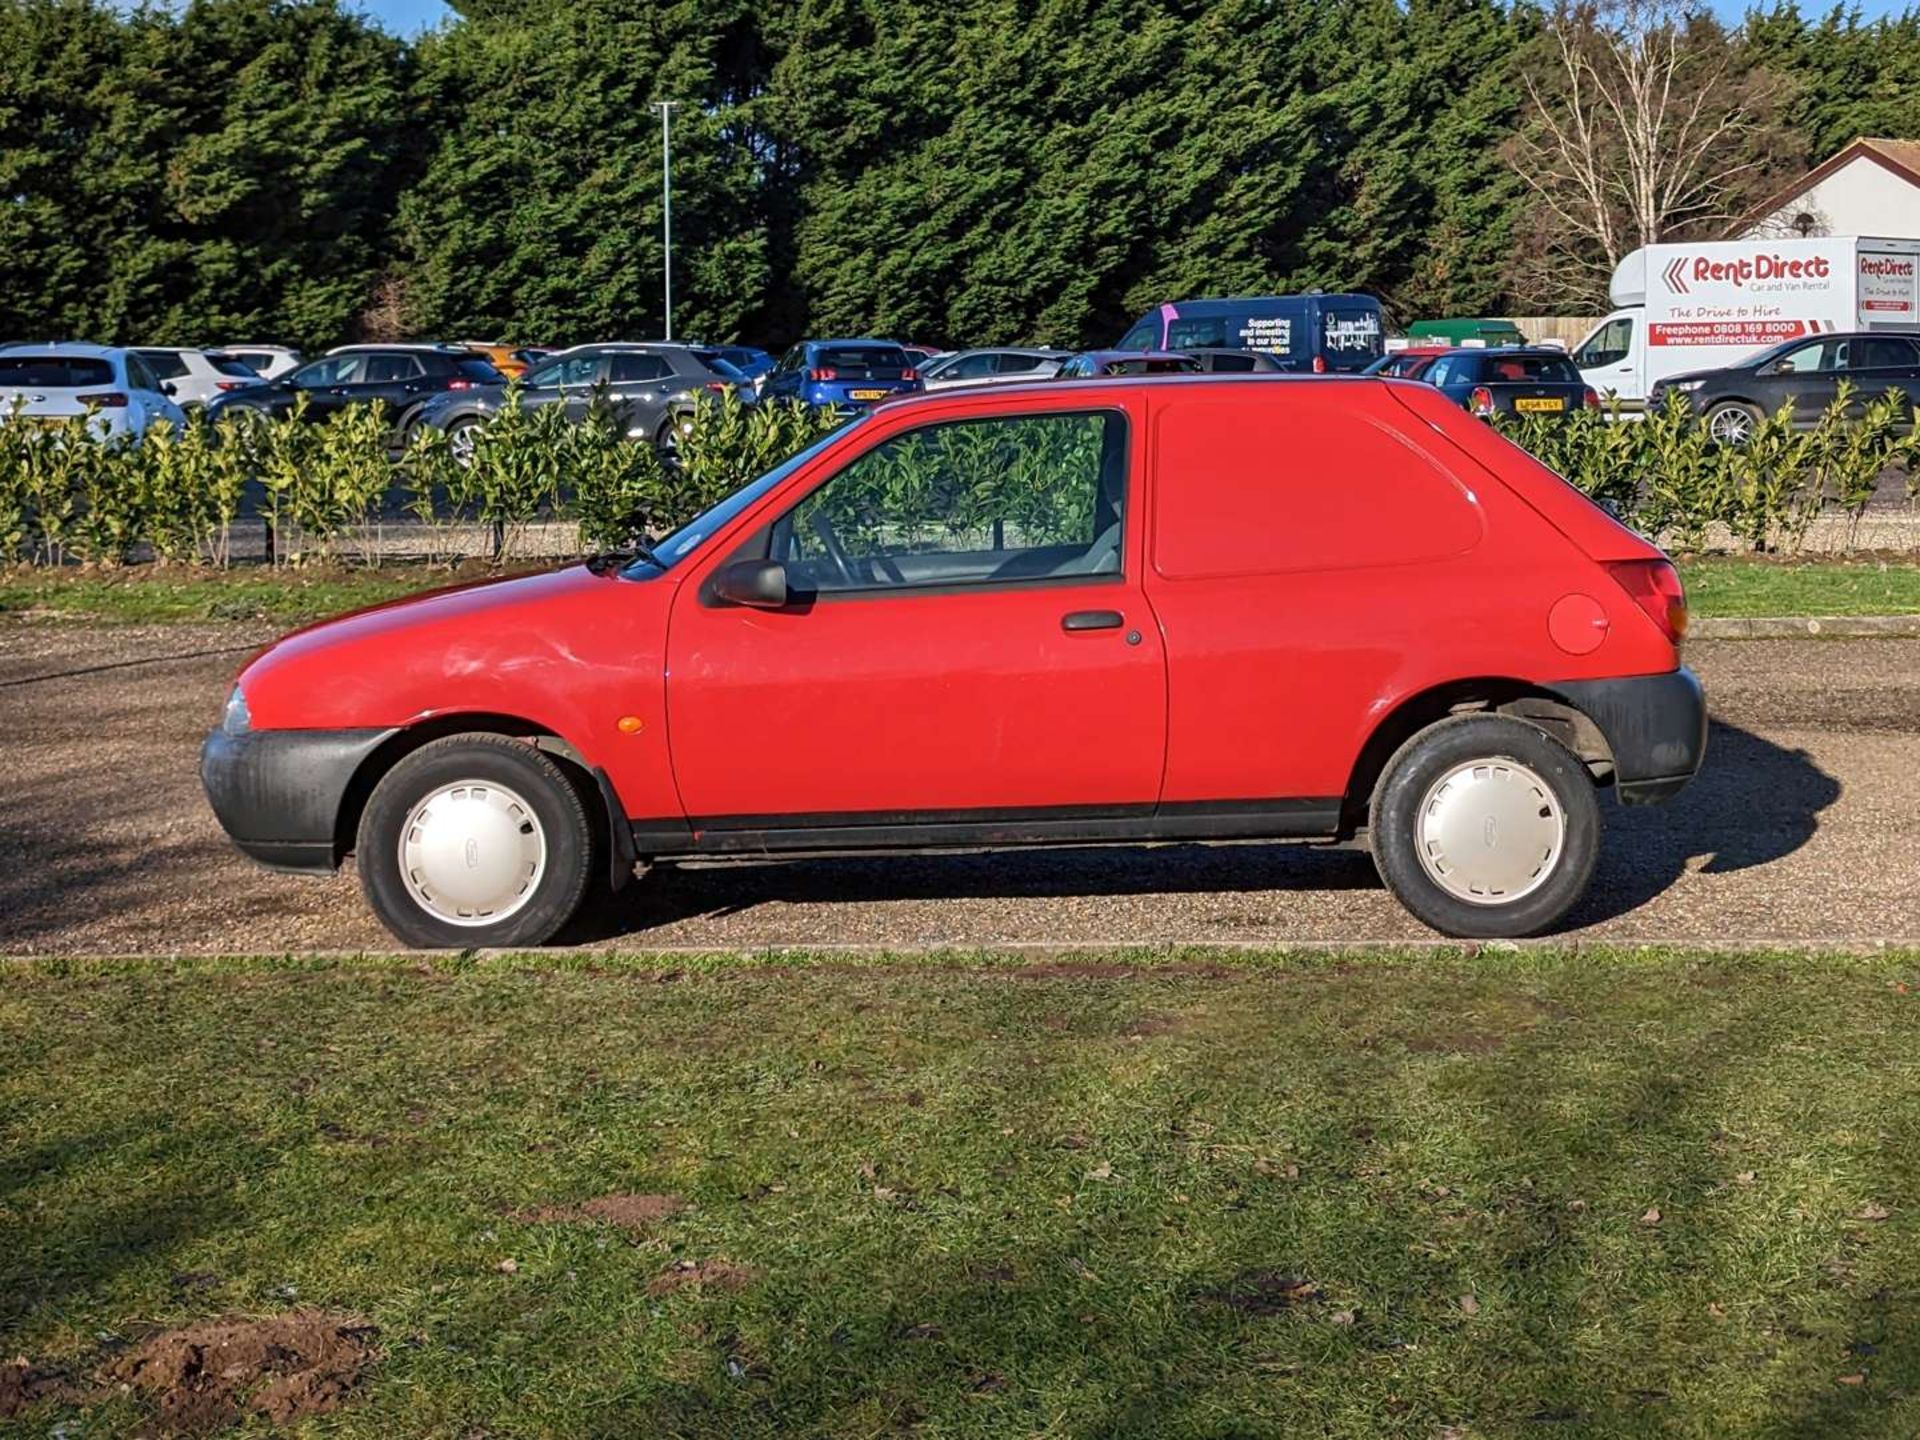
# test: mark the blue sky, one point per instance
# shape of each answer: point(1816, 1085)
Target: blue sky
point(410, 17)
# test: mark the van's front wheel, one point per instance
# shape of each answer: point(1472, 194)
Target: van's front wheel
point(472, 841)
point(1486, 827)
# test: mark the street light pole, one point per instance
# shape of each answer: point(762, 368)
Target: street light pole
point(665, 107)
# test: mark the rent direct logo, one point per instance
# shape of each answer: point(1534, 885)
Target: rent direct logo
point(1886, 267)
point(1684, 272)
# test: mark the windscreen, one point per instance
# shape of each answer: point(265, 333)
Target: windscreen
point(227, 365)
point(54, 372)
point(873, 360)
point(1530, 369)
point(482, 372)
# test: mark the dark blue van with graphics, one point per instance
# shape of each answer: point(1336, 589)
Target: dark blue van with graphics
point(1315, 332)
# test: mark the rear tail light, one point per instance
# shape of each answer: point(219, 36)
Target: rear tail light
point(460, 384)
point(909, 374)
point(1654, 586)
point(1593, 398)
point(823, 374)
point(231, 384)
point(1319, 364)
point(719, 387)
point(1481, 401)
point(105, 400)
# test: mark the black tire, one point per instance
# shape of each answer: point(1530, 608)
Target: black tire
point(1436, 752)
point(539, 781)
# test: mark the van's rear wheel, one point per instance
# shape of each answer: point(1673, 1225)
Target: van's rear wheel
point(1486, 827)
point(475, 840)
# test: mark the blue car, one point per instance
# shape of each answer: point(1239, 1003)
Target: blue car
point(846, 375)
point(749, 360)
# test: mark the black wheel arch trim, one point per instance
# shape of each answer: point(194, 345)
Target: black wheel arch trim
point(1655, 725)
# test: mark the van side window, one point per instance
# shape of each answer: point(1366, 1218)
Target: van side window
point(1144, 336)
point(1201, 334)
point(998, 500)
point(1608, 345)
point(1352, 488)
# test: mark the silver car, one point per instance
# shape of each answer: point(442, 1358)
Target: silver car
point(197, 377)
point(995, 366)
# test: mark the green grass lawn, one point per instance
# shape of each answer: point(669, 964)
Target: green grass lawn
point(1716, 586)
point(1739, 586)
point(1523, 1193)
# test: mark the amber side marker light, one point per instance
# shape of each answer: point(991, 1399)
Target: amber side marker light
point(628, 724)
point(1654, 585)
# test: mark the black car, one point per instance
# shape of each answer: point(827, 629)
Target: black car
point(652, 388)
point(1806, 372)
point(1218, 361)
point(404, 377)
point(1511, 380)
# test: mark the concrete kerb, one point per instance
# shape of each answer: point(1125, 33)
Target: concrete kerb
point(1799, 627)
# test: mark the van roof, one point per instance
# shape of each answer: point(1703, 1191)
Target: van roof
point(1237, 305)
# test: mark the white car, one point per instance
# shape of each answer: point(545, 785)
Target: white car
point(996, 366)
point(269, 362)
point(196, 376)
point(50, 384)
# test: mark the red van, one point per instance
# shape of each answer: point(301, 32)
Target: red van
point(1182, 608)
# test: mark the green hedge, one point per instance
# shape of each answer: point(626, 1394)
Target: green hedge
point(65, 496)
point(1666, 476)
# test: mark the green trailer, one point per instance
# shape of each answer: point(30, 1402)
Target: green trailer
point(1465, 332)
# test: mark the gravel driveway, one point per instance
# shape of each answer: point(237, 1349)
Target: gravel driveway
point(1804, 826)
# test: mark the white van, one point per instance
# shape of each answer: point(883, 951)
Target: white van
point(1699, 307)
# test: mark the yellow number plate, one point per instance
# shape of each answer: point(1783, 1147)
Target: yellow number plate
point(868, 394)
point(1536, 405)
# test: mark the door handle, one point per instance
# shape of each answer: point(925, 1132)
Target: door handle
point(1092, 620)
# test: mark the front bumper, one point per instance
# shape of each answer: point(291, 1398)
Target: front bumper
point(1655, 725)
point(278, 793)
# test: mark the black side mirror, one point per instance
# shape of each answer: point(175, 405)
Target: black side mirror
point(169, 389)
point(759, 583)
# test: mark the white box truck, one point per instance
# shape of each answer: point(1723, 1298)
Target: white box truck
point(1699, 307)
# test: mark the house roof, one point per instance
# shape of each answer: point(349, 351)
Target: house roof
point(1899, 157)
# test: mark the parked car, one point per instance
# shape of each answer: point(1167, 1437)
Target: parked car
point(842, 374)
point(196, 376)
point(992, 367)
point(1216, 361)
point(652, 387)
point(1410, 363)
point(1803, 373)
point(1511, 380)
point(269, 362)
point(1115, 611)
point(1103, 364)
point(749, 360)
point(1313, 332)
point(402, 377)
point(509, 360)
point(51, 384)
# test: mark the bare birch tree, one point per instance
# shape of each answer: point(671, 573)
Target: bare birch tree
point(1642, 120)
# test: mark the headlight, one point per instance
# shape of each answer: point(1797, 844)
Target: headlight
point(235, 720)
point(1686, 387)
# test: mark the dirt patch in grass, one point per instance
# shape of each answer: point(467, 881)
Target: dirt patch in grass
point(718, 1273)
point(278, 1368)
point(22, 1383)
point(634, 1213)
point(1264, 1292)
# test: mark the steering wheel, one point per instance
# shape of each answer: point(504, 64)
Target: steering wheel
point(836, 552)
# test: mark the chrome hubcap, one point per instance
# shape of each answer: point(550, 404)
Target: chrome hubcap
point(472, 853)
point(460, 444)
point(1731, 427)
point(1490, 832)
